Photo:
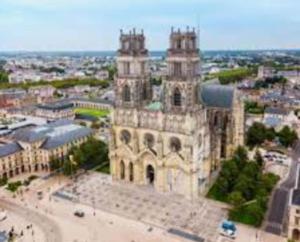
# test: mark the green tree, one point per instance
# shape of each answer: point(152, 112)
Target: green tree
point(287, 136)
point(240, 156)
point(3, 77)
point(236, 199)
point(55, 164)
point(229, 172)
point(258, 133)
point(245, 185)
point(255, 211)
point(258, 158)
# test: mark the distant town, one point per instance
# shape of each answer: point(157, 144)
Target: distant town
point(107, 136)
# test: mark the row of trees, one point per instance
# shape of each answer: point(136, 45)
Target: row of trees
point(270, 82)
point(57, 84)
point(243, 184)
point(86, 156)
point(235, 75)
point(258, 133)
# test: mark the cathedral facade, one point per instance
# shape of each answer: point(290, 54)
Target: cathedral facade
point(175, 144)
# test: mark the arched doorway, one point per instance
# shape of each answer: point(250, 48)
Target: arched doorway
point(122, 170)
point(296, 235)
point(150, 174)
point(131, 176)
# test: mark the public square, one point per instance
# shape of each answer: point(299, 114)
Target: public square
point(167, 211)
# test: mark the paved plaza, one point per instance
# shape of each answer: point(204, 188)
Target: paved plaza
point(166, 211)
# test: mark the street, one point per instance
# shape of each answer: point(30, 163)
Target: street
point(277, 213)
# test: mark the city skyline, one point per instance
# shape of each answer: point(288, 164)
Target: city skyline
point(31, 25)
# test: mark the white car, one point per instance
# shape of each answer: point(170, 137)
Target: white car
point(228, 233)
point(3, 215)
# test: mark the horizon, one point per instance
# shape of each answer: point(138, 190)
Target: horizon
point(86, 25)
point(90, 51)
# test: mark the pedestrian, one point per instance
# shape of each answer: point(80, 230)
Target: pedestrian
point(21, 234)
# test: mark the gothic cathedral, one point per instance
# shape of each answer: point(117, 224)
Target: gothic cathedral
point(176, 144)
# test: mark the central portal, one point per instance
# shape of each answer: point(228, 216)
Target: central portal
point(150, 174)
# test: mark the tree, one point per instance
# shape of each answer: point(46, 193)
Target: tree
point(287, 136)
point(258, 133)
point(222, 185)
point(55, 164)
point(255, 211)
point(252, 170)
point(258, 158)
point(245, 185)
point(240, 156)
point(230, 172)
point(236, 199)
point(3, 77)
point(95, 125)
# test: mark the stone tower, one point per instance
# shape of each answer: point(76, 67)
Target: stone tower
point(174, 146)
point(183, 75)
point(132, 86)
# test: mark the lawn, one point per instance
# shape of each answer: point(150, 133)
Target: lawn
point(92, 112)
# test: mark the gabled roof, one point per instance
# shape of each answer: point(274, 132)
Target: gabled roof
point(10, 148)
point(216, 95)
point(54, 134)
point(56, 106)
point(56, 141)
point(276, 110)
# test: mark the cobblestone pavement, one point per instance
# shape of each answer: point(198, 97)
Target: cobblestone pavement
point(201, 218)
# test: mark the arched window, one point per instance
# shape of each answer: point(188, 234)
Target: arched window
point(149, 140)
point(122, 170)
point(126, 94)
point(125, 136)
point(175, 144)
point(177, 97)
point(145, 91)
point(131, 174)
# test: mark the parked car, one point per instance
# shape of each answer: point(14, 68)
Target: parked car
point(228, 229)
point(79, 213)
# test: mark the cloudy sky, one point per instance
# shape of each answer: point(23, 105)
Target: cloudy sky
point(94, 24)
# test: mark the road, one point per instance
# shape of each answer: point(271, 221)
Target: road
point(277, 213)
point(49, 227)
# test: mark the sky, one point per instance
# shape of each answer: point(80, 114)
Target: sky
point(79, 25)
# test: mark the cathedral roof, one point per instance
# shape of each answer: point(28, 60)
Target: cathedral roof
point(216, 95)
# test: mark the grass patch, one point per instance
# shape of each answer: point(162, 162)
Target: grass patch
point(92, 112)
point(105, 168)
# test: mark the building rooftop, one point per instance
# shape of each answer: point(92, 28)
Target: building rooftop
point(276, 110)
point(56, 106)
point(54, 134)
point(10, 148)
point(216, 95)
